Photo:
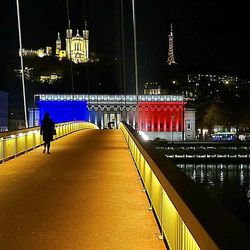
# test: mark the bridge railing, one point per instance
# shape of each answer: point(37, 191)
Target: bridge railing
point(188, 217)
point(13, 143)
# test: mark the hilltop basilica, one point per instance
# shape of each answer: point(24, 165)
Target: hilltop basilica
point(77, 47)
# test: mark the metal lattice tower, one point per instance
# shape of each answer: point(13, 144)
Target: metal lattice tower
point(171, 47)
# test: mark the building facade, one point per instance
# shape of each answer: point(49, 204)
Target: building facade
point(77, 47)
point(162, 116)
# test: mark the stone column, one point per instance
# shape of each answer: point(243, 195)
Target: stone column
point(102, 122)
point(133, 114)
point(127, 115)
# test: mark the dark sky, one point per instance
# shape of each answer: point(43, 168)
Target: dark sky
point(208, 35)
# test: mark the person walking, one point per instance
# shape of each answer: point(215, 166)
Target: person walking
point(47, 131)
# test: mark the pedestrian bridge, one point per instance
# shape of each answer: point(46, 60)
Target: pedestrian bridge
point(103, 189)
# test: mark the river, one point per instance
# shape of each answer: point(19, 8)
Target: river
point(228, 183)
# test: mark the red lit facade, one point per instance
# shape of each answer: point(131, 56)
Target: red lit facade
point(161, 116)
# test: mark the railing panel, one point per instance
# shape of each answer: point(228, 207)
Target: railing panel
point(20, 144)
point(1, 148)
point(156, 196)
point(29, 140)
point(9, 147)
point(169, 221)
point(176, 201)
point(16, 142)
point(147, 179)
point(37, 138)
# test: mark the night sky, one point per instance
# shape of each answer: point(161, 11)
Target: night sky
point(209, 36)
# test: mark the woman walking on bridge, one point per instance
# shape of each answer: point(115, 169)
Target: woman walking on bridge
point(47, 131)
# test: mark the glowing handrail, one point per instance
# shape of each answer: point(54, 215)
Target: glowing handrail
point(13, 143)
point(189, 218)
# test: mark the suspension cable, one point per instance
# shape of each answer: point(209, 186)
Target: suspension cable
point(70, 57)
point(118, 46)
point(21, 60)
point(86, 46)
point(136, 68)
point(135, 50)
point(93, 44)
point(123, 60)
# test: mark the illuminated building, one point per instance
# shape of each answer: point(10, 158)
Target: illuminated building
point(48, 50)
point(77, 47)
point(58, 44)
point(213, 84)
point(62, 111)
point(28, 73)
point(50, 79)
point(152, 88)
point(162, 116)
point(210, 78)
point(39, 52)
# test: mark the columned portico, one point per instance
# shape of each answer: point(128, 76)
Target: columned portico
point(156, 115)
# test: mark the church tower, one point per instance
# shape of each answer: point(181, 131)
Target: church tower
point(171, 47)
point(58, 45)
point(68, 42)
point(77, 47)
point(85, 43)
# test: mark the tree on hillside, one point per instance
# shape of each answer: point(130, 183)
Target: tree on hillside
point(215, 115)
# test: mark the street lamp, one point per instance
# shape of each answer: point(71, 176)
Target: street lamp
point(136, 64)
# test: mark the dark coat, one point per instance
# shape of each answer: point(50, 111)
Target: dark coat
point(47, 129)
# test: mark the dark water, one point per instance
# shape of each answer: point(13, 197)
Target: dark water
point(230, 184)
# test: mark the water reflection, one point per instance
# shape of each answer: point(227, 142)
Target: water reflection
point(227, 183)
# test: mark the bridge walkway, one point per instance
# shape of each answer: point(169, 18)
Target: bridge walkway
point(85, 195)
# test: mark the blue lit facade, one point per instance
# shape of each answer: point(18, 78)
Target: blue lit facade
point(63, 111)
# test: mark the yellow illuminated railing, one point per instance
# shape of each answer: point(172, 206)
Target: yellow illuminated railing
point(189, 218)
point(14, 143)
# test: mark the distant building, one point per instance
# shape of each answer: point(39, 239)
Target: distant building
point(152, 88)
point(154, 116)
point(50, 79)
point(16, 124)
point(77, 47)
point(48, 50)
point(28, 73)
point(213, 84)
point(37, 53)
point(3, 111)
point(210, 78)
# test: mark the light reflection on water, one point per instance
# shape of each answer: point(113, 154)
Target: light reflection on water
point(230, 184)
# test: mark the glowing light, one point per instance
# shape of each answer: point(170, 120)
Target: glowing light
point(144, 136)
